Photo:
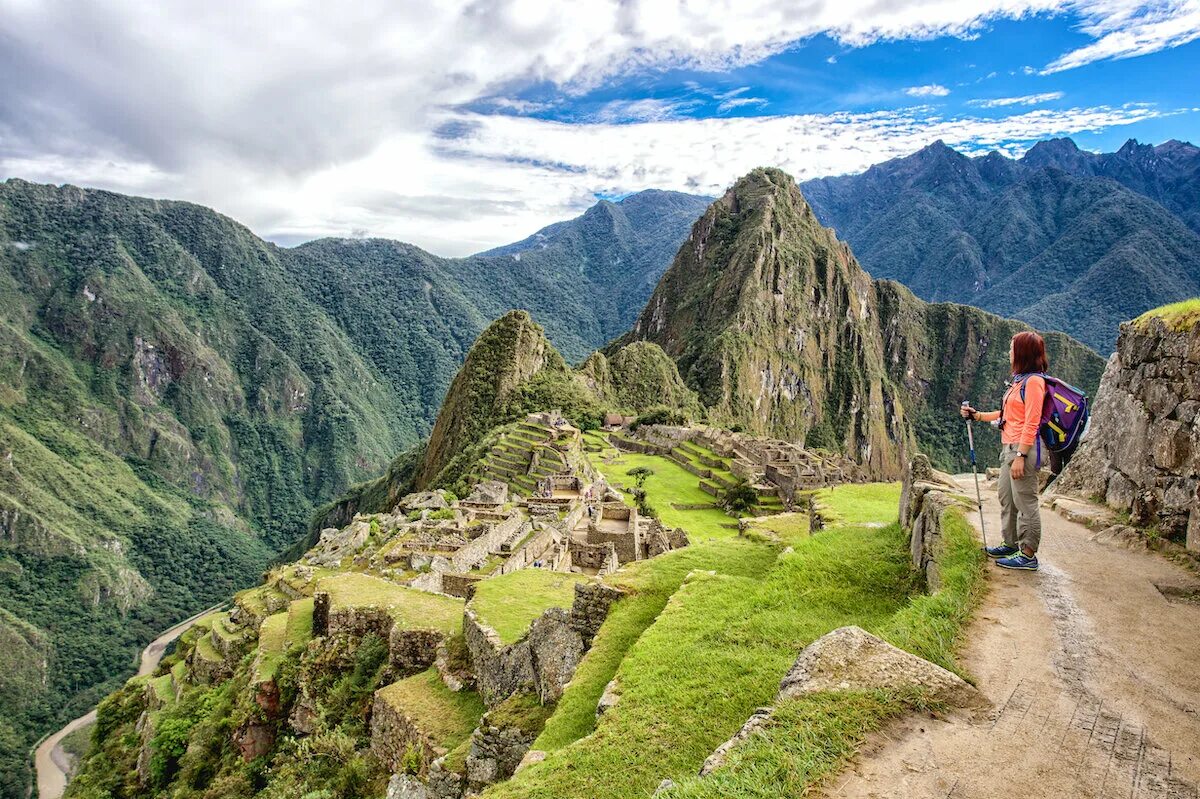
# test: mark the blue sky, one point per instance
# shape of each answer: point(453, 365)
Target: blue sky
point(462, 125)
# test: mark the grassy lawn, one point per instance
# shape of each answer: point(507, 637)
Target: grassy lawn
point(446, 716)
point(859, 503)
point(299, 621)
point(692, 675)
point(788, 528)
point(510, 602)
point(650, 584)
point(670, 483)
point(278, 633)
point(272, 640)
point(412, 608)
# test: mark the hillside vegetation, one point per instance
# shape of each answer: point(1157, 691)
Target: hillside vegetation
point(177, 395)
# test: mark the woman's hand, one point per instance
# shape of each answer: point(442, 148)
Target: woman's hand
point(1018, 468)
point(967, 411)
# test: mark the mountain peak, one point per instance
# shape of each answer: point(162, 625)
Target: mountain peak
point(507, 354)
point(766, 313)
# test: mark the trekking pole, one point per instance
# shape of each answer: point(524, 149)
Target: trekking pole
point(975, 473)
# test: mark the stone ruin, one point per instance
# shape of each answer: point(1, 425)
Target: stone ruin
point(1141, 452)
point(773, 467)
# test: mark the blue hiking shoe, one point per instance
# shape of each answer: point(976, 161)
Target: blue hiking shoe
point(1019, 561)
point(1002, 551)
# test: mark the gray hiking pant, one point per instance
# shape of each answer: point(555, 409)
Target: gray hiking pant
point(1019, 516)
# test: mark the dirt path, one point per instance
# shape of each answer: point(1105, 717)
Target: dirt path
point(1095, 675)
point(52, 762)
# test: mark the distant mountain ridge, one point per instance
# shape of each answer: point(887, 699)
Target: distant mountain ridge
point(1061, 238)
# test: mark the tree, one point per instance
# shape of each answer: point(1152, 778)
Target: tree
point(639, 474)
point(740, 496)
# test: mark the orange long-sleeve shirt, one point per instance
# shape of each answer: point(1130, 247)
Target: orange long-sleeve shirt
point(1022, 417)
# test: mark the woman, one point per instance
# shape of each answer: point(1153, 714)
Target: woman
point(1019, 419)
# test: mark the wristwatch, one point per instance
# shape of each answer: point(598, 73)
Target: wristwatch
point(1022, 454)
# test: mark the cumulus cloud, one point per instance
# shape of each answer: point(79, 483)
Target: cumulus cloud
point(1128, 28)
point(929, 90)
point(1027, 99)
point(328, 118)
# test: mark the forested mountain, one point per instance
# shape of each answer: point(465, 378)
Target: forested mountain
point(776, 326)
point(1168, 173)
point(178, 394)
point(1061, 239)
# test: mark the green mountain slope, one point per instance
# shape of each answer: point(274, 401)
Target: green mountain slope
point(1044, 239)
point(172, 407)
point(780, 331)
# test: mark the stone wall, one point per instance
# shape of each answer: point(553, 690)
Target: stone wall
point(1141, 451)
point(590, 608)
point(500, 670)
point(460, 585)
point(625, 543)
point(394, 735)
point(591, 556)
point(925, 496)
point(543, 661)
point(410, 651)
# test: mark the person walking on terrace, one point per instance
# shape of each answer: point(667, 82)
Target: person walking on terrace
point(1019, 418)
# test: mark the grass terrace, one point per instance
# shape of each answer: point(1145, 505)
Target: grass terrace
point(1177, 316)
point(510, 602)
point(858, 503)
point(787, 528)
point(670, 484)
point(272, 641)
point(410, 607)
point(692, 670)
point(446, 716)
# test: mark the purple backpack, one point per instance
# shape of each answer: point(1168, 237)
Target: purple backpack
point(1064, 413)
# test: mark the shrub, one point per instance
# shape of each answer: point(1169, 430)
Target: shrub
point(442, 513)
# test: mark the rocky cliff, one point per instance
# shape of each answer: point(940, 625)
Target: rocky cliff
point(779, 329)
point(771, 321)
point(1140, 453)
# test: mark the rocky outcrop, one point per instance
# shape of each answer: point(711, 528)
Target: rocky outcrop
point(851, 659)
point(1141, 451)
point(926, 494)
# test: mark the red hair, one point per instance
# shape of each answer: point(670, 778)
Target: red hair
point(1028, 353)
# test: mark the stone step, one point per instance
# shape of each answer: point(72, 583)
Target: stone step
point(508, 463)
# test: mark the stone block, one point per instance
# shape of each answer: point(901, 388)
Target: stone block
point(556, 648)
point(850, 658)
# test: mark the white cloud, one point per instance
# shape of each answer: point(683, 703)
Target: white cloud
point(739, 102)
point(929, 90)
point(1027, 99)
point(1128, 28)
point(323, 119)
point(647, 109)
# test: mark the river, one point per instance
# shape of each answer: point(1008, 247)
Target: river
point(52, 763)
